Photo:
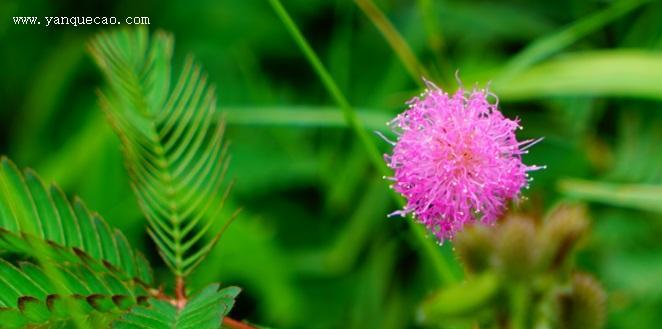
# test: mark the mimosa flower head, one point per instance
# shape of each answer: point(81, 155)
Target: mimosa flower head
point(456, 159)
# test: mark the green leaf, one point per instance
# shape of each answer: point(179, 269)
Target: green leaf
point(549, 45)
point(633, 73)
point(646, 197)
point(302, 116)
point(204, 311)
point(461, 299)
point(172, 139)
point(29, 297)
point(40, 222)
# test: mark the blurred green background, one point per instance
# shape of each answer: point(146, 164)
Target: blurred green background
point(312, 247)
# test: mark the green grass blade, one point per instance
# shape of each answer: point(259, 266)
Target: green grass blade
point(549, 45)
point(645, 197)
point(631, 73)
point(302, 116)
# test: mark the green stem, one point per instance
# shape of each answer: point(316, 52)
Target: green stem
point(519, 305)
point(440, 263)
point(330, 85)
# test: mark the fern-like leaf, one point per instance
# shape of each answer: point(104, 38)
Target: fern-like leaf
point(172, 140)
point(29, 297)
point(40, 222)
point(204, 311)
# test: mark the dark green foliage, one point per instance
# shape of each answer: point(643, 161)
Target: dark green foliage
point(312, 247)
point(41, 223)
point(203, 311)
point(86, 270)
point(83, 268)
point(31, 297)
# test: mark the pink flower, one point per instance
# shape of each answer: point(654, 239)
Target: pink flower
point(456, 160)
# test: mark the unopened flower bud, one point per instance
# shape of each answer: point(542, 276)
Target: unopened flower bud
point(584, 307)
point(563, 228)
point(516, 249)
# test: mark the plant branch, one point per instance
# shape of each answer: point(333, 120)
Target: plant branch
point(234, 324)
point(180, 292)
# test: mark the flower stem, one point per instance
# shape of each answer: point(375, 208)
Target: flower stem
point(440, 263)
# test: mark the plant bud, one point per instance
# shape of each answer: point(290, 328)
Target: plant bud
point(563, 228)
point(516, 249)
point(585, 306)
